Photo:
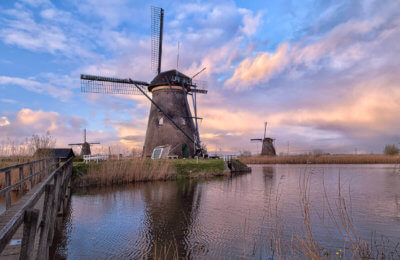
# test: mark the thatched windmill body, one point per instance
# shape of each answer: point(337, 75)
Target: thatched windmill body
point(170, 121)
point(267, 143)
point(85, 146)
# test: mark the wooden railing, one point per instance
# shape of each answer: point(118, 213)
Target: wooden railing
point(37, 170)
point(55, 187)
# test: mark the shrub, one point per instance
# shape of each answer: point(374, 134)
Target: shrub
point(391, 149)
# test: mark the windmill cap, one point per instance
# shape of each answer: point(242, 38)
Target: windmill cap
point(175, 78)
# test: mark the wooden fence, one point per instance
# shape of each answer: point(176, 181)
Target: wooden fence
point(29, 223)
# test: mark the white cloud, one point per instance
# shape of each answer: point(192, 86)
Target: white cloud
point(4, 121)
point(251, 22)
point(38, 87)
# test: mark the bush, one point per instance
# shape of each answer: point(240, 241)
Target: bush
point(391, 149)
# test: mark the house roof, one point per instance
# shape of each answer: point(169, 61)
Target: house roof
point(56, 152)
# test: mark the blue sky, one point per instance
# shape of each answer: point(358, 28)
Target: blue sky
point(324, 74)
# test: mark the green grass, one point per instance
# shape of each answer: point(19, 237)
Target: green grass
point(190, 166)
point(79, 169)
point(180, 169)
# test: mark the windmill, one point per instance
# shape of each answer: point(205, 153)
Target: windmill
point(267, 143)
point(85, 146)
point(170, 121)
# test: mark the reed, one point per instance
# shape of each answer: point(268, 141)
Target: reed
point(303, 244)
point(113, 172)
point(323, 159)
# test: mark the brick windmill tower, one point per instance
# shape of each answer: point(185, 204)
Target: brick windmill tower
point(267, 143)
point(85, 146)
point(170, 121)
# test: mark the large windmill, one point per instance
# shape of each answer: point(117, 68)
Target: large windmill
point(170, 121)
point(85, 146)
point(267, 143)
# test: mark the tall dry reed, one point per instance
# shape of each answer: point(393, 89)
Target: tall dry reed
point(302, 243)
point(124, 171)
point(323, 159)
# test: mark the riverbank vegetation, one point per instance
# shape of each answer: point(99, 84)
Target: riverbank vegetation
point(391, 149)
point(113, 172)
point(13, 152)
point(323, 159)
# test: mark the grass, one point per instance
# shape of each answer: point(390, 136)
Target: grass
point(114, 172)
point(323, 159)
point(202, 168)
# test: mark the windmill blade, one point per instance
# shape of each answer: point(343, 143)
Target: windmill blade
point(199, 86)
point(76, 144)
point(157, 21)
point(256, 140)
point(107, 85)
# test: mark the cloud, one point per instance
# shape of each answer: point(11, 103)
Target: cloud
point(57, 33)
point(4, 121)
point(38, 87)
point(261, 68)
point(251, 22)
point(340, 48)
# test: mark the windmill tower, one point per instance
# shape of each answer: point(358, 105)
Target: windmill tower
point(85, 146)
point(267, 143)
point(170, 120)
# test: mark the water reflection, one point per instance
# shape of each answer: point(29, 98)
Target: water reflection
point(226, 217)
point(170, 210)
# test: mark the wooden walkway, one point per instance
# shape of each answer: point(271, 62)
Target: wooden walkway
point(27, 226)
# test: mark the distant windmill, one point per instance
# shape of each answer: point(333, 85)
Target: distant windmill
point(170, 121)
point(267, 143)
point(85, 146)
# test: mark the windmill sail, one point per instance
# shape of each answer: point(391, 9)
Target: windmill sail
point(170, 120)
point(157, 20)
point(107, 85)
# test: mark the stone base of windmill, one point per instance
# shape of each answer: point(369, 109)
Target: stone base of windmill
point(268, 147)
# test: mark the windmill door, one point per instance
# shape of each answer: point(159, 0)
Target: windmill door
point(185, 151)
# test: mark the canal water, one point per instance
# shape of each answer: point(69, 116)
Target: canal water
point(235, 217)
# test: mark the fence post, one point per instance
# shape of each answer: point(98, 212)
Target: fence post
point(28, 239)
point(8, 183)
point(31, 167)
point(54, 205)
point(40, 170)
point(21, 177)
point(43, 252)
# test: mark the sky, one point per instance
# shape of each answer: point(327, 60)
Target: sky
point(325, 75)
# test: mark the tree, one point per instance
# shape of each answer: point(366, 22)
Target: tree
point(391, 149)
point(41, 141)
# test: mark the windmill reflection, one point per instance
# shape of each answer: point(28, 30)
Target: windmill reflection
point(171, 208)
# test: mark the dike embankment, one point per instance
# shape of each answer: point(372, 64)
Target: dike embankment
point(114, 172)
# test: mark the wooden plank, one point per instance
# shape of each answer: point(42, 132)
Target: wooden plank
point(21, 178)
point(12, 167)
point(43, 252)
point(31, 218)
point(8, 183)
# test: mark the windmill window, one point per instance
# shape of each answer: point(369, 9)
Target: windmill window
point(183, 121)
point(161, 121)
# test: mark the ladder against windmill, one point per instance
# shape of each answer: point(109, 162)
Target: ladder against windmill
point(171, 122)
point(267, 147)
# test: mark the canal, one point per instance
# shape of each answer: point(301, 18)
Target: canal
point(273, 211)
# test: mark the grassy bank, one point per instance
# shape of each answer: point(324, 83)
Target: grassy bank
point(323, 159)
point(114, 172)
